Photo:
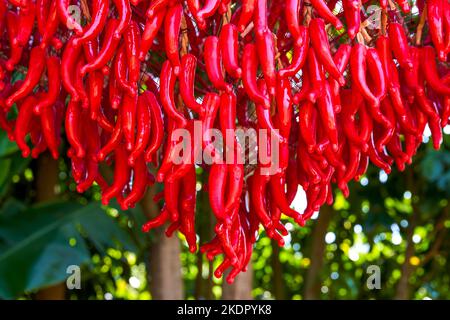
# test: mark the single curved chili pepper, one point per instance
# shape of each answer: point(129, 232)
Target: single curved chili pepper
point(229, 46)
point(435, 14)
point(132, 43)
point(129, 118)
point(187, 208)
point(217, 186)
point(68, 68)
point(213, 64)
point(95, 81)
point(124, 10)
point(299, 54)
point(352, 13)
point(122, 174)
point(258, 187)
point(323, 11)
point(246, 14)
point(26, 21)
point(277, 186)
point(73, 129)
point(79, 84)
point(51, 22)
point(66, 17)
point(307, 124)
point(326, 112)
point(48, 124)
point(98, 22)
point(250, 67)
point(140, 183)
point(358, 71)
point(21, 128)
point(54, 84)
point(351, 102)
point(157, 130)
point(156, 222)
point(265, 45)
point(114, 141)
point(110, 44)
point(211, 104)
point(172, 26)
point(399, 44)
point(429, 69)
point(152, 26)
point(171, 196)
point(15, 50)
point(209, 8)
point(143, 129)
point(36, 67)
point(187, 82)
point(291, 13)
point(319, 41)
point(167, 88)
point(120, 73)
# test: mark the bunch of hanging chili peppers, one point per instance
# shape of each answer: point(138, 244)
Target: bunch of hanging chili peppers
point(121, 76)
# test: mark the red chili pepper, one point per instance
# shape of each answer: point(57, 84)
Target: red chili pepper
point(155, 7)
point(260, 16)
point(213, 64)
point(265, 44)
point(79, 84)
point(209, 8)
point(73, 128)
point(36, 67)
point(110, 44)
point(167, 88)
point(66, 18)
point(26, 21)
point(157, 130)
point(188, 197)
point(95, 81)
point(229, 46)
point(54, 84)
point(399, 44)
point(211, 104)
point(120, 73)
point(140, 183)
point(358, 72)
point(22, 126)
point(324, 12)
point(436, 11)
point(291, 13)
point(172, 26)
point(128, 109)
point(429, 69)
point(68, 68)
point(246, 14)
point(98, 22)
point(48, 118)
point(299, 54)
point(250, 67)
point(51, 22)
point(143, 129)
point(124, 10)
point(122, 174)
point(152, 26)
point(319, 41)
point(326, 112)
point(187, 81)
point(15, 50)
point(352, 13)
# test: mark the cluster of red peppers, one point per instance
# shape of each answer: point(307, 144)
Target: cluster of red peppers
point(120, 77)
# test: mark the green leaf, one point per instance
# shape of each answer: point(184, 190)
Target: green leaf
point(39, 250)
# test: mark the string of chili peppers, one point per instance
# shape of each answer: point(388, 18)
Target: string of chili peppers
point(118, 79)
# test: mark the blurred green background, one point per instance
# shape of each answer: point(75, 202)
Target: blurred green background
point(399, 223)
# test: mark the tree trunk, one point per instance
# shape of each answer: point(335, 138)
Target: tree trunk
point(165, 278)
point(46, 182)
point(402, 290)
point(242, 287)
point(277, 272)
point(312, 281)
